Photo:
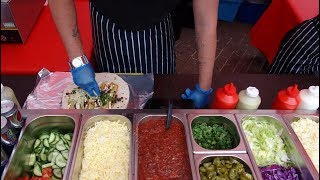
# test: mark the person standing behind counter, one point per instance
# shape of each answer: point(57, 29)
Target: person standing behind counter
point(136, 36)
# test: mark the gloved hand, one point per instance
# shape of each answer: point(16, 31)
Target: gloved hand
point(199, 96)
point(84, 77)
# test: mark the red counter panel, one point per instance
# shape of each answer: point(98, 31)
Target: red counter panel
point(44, 47)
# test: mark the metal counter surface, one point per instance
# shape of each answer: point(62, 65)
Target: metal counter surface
point(184, 115)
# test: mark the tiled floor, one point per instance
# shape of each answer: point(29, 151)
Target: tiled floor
point(234, 53)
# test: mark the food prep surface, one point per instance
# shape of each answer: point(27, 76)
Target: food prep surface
point(199, 145)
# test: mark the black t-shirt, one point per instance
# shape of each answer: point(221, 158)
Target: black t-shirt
point(135, 14)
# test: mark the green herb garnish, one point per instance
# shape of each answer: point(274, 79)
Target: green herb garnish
point(212, 136)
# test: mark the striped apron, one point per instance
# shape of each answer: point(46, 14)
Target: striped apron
point(299, 51)
point(124, 51)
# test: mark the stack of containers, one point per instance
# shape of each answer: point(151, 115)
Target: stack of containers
point(251, 10)
point(228, 9)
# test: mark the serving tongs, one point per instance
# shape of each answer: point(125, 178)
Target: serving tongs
point(169, 114)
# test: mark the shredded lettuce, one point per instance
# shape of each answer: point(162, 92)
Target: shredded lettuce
point(265, 142)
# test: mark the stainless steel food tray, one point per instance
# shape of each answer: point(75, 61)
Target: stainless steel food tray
point(140, 117)
point(34, 126)
point(290, 118)
point(232, 125)
point(88, 121)
point(249, 166)
point(293, 152)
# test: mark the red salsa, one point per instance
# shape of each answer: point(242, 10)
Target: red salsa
point(162, 154)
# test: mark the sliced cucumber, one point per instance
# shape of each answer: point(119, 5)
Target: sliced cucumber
point(62, 138)
point(52, 149)
point(32, 159)
point(39, 148)
point(50, 156)
point(55, 166)
point(46, 143)
point(37, 170)
point(51, 137)
point(67, 137)
point(60, 145)
point(60, 161)
point(69, 143)
point(36, 143)
point(54, 155)
point(55, 178)
point(63, 170)
point(43, 157)
point(46, 165)
point(57, 173)
point(56, 139)
point(65, 154)
point(44, 136)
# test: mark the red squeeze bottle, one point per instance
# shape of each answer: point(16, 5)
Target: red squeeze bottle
point(226, 98)
point(287, 99)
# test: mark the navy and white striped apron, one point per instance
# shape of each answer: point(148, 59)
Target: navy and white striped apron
point(299, 51)
point(123, 51)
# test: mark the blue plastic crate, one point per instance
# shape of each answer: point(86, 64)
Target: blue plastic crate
point(228, 9)
point(250, 12)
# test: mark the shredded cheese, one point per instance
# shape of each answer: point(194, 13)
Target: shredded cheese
point(106, 152)
point(308, 134)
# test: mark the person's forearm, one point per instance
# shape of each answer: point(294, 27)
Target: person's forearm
point(65, 18)
point(205, 16)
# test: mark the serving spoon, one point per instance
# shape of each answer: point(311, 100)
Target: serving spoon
point(169, 114)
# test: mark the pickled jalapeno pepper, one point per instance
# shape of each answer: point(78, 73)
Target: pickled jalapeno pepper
point(220, 168)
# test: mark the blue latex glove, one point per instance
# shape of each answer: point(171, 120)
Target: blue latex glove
point(84, 77)
point(199, 96)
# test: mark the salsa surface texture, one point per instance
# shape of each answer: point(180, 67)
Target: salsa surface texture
point(162, 154)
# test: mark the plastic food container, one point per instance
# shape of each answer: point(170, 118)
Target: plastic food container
point(36, 125)
point(293, 152)
point(289, 119)
point(228, 121)
point(87, 122)
point(140, 122)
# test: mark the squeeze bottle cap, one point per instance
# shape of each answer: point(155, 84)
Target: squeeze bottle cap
point(1, 87)
point(252, 92)
point(230, 89)
point(314, 90)
point(293, 91)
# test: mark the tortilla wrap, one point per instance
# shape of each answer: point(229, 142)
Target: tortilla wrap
point(123, 90)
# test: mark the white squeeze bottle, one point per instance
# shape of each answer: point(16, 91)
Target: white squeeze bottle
point(309, 98)
point(249, 98)
point(8, 94)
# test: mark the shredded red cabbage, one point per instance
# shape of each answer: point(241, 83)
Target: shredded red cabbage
point(276, 172)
